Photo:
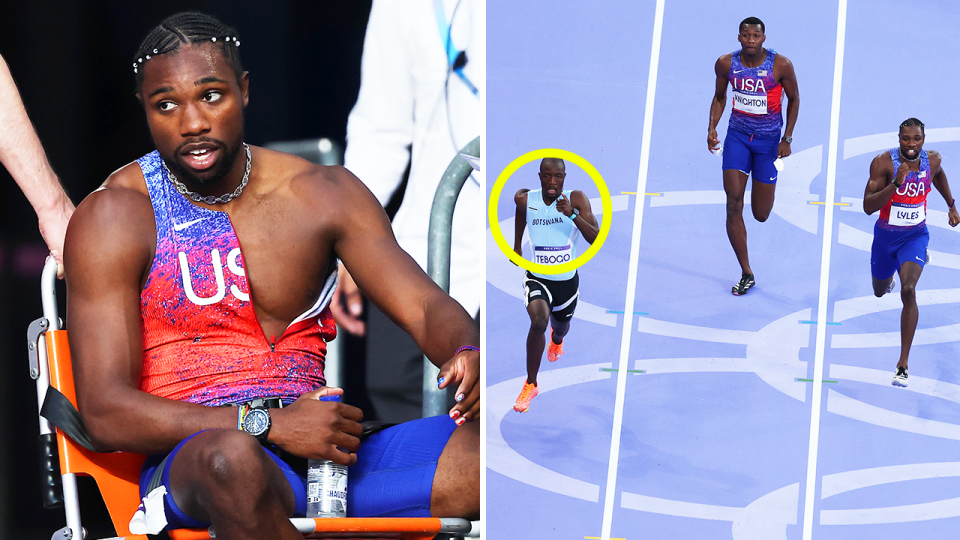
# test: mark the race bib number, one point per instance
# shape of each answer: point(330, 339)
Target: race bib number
point(552, 255)
point(749, 104)
point(906, 215)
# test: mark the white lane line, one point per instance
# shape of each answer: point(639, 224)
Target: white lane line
point(810, 486)
point(628, 303)
point(837, 483)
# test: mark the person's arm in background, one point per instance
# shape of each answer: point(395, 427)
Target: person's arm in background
point(379, 131)
point(23, 156)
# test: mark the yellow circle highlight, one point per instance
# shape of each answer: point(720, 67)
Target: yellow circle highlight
point(495, 199)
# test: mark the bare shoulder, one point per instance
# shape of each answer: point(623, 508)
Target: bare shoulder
point(123, 192)
point(782, 60)
point(882, 163)
point(521, 197)
point(116, 220)
point(579, 198)
point(783, 67)
point(722, 67)
point(935, 161)
point(130, 176)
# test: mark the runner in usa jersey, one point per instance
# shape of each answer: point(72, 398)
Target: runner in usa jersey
point(900, 180)
point(907, 209)
point(758, 79)
point(756, 97)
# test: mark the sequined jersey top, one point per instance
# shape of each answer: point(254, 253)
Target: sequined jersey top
point(907, 209)
point(756, 97)
point(201, 337)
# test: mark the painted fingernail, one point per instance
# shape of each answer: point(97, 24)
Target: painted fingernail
point(454, 414)
point(460, 421)
point(439, 381)
point(460, 398)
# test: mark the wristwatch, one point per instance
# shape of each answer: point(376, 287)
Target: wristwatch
point(257, 423)
point(576, 214)
point(788, 139)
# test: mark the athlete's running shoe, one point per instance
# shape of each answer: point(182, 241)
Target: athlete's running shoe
point(746, 282)
point(891, 286)
point(900, 377)
point(523, 402)
point(554, 350)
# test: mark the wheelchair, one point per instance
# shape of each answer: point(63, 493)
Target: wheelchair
point(65, 453)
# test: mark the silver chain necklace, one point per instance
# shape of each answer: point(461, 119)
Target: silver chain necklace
point(905, 158)
point(210, 199)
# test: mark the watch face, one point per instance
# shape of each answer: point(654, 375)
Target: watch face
point(256, 422)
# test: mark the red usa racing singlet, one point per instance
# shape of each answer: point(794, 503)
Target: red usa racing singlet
point(907, 208)
point(201, 337)
point(756, 97)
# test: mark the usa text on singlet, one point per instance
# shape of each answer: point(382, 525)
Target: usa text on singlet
point(201, 337)
point(756, 97)
point(908, 206)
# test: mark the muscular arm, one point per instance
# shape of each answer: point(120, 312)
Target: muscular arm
point(586, 222)
point(879, 188)
point(520, 221)
point(940, 182)
point(788, 79)
point(109, 247)
point(719, 101)
point(397, 285)
point(107, 252)
point(25, 160)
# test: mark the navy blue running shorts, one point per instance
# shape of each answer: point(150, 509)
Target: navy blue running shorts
point(393, 476)
point(751, 154)
point(893, 248)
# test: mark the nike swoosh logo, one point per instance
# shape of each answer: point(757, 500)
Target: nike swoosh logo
point(739, 71)
point(181, 226)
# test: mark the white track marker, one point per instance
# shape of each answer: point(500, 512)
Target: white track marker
point(811, 483)
point(628, 304)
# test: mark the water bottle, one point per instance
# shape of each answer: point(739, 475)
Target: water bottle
point(326, 485)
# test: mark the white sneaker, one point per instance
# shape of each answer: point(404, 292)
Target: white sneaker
point(900, 377)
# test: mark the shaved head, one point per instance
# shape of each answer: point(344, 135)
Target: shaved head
point(552, 161)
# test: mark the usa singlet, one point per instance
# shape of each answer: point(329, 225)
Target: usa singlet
point(201, 338)
point(553, 235)
point(907, 208)
point(756, 97)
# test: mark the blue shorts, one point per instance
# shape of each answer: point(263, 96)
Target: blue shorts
point(751, 154)
point(393, 476)
point(893, 248)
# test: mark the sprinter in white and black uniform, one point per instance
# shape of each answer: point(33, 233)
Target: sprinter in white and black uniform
point(759, 78)
point(900, 180)
point(556, 218)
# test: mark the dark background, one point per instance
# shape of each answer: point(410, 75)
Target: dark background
point(72, 63)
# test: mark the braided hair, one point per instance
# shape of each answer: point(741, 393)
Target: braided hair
point(912, 122)
point(183, 28)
